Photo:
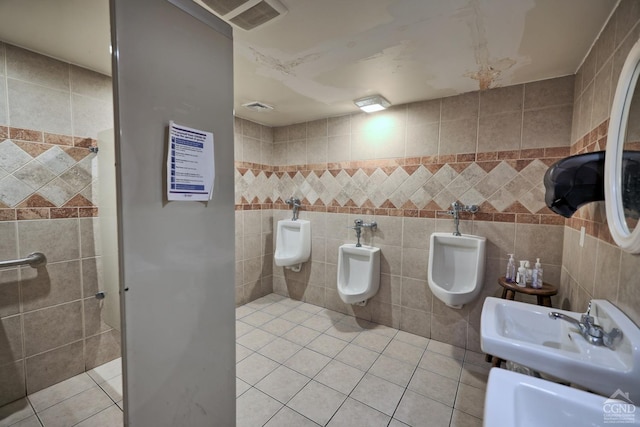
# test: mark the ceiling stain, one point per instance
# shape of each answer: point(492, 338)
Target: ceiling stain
point(489, 70)
point(285, 67)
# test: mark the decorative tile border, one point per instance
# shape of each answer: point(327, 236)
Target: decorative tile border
point(506, 184)
point(45, 176)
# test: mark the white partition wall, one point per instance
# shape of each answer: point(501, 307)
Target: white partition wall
point(176, 258)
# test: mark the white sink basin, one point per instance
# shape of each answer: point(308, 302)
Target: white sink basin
point(517, 400)
point(525, 334)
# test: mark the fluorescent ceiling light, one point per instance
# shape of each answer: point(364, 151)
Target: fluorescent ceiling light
point(373, 103)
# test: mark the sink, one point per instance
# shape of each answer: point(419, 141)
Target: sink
point(518, 400)
point(525, 334)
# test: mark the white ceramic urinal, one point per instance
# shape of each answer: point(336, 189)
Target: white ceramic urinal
point(456, 267)
point(293, 243)
point(358, 273)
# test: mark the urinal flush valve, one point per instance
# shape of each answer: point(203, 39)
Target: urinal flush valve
point(295, 203)
point(358, 227)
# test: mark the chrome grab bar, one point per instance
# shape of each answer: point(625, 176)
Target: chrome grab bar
point(34, 259)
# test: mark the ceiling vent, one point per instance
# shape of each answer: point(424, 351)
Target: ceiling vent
point(245, 14)
point(257, 106)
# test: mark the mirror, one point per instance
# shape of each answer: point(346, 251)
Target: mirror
point(622, 161)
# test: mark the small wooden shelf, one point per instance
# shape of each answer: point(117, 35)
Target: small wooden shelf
point(543, 294)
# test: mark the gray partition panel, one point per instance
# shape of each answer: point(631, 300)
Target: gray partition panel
point(176, 258)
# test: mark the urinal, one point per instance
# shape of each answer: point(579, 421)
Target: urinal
point(456, 267)
point(293, 243)
point(358, 273)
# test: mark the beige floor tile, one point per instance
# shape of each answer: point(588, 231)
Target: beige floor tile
point(32, 421)
point(309, 308)
point(243, 328)
point(14, 412)
point(106, 371)
point(287, 417)
point(75, 409)
point(254, 368)
point(372, 341)
point(417, 410)
point(282, 384)
point(355, 414)
point(319, 323)
point(413, 339)
point(301, 335)
point(307, 362)
point(280, 350)
point(460, 419)
point(378, 393)
point(241, 387)
point(475, 375)
point(446, 349)
point(258, 318)
point(403, 351)
point(470, 400)
point(339, 376)
point(440, 364)
point(113, 387)
point(49, 396)
point(396, 423)
point(256, 339)
point(327, 345)
point(291, 302)
point(392, 370)
point(317, 402)
point(278, 326)
point(243, 311)
point(110, 417)
point(344, 330)
point(276, 309)
point(242, 352)
point(357, 356)
point(254, 408)
point(296, 316)
point(434, 386)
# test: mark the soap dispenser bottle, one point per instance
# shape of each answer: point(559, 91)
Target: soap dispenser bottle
point(521, 277)
point(537, 275)
point(511, 269)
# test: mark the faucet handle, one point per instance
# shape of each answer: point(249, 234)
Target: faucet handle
point(612, 338)
point(587, 318)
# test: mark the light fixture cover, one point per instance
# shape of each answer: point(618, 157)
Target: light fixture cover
point(372, 103)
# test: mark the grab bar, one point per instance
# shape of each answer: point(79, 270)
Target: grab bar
point(33, 259)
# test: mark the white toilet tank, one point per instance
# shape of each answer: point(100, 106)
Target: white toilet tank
point(358, 272)
point(456, 267)
point(293, 242)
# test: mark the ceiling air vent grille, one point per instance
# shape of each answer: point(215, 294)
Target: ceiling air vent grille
point(245, 14)
point(257, 106)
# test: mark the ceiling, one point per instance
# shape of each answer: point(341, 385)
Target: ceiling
point(317, 59)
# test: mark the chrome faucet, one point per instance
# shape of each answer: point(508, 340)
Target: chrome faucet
point(456, 208)
point(358, 227)
point(591, 332)
point(295, 203)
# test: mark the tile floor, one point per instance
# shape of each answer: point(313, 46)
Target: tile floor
point(91, 399)
point(302, 365)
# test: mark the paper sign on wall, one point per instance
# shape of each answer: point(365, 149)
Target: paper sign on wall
point(190, 164)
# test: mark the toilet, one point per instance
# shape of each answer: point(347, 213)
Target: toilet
point(456, 267)
point(293, 243)
point(358, 273)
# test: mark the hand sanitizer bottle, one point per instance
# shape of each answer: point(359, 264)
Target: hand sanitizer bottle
point(537, 275)
point(521, 278)
point(511, 269)
point(527, 267)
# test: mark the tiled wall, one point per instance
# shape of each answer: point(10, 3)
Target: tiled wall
point(599, 269)
point(402, 168)
point(51, 328)
point(254, 224)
